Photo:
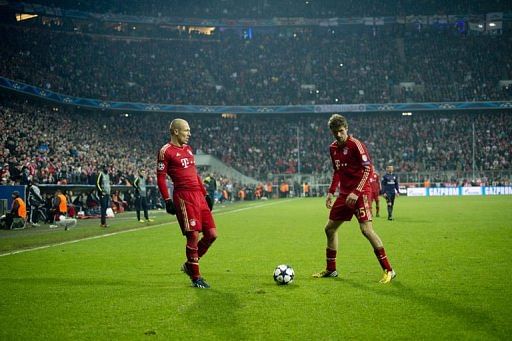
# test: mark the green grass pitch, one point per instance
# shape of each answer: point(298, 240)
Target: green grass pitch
point(452, 255)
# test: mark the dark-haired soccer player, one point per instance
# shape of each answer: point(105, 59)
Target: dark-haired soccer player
point(389, 189)
point(352, 169)
point(190, 203)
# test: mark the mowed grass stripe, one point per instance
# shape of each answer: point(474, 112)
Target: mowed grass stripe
point(216, 213)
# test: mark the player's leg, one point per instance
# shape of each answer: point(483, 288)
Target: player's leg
point(144, 204)
point(391, 204)
point(191, 266)
point(207, 226)
point(137, 207)
point(377, 205)
point(103, 207)
point(209, 236)
point(364, 217)
point(378, 249)
point(188, 214)
point(331, 233)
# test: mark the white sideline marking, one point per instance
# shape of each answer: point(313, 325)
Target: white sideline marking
point(130, 230)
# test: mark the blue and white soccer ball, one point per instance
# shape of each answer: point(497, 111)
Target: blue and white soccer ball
point(284, 274)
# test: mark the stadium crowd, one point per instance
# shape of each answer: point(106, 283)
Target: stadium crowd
point(279, 67)
point(282, 8)
point(62, 145)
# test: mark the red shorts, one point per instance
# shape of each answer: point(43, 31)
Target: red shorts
point(362, 210)
point(375, 195)
point(192, 211)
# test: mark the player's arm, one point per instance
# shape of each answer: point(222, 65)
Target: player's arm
point(397, 187)
point(161, 180)
point(334, 184)
point(98, 183)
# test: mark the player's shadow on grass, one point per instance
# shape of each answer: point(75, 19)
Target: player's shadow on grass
point(404, 220)
point(472, 317)
point(212, 309)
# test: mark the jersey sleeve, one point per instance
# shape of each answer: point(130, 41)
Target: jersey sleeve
point(161, 174)
point(335, 175)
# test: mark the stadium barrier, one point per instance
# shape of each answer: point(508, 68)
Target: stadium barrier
point(458, 191)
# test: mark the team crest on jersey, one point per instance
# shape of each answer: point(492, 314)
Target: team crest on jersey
point(178, 154)
point(161, 166)
point(192, 222)
point(345, 151)
point(364, 157)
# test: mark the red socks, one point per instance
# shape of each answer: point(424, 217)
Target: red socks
point(205, 242)
point(383, 259)
point(330, 256)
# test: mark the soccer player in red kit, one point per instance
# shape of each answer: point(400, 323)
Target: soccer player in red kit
point(352, 169)
point(190, 202)
point(375, 186)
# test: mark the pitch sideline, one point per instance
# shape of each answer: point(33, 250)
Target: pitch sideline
point(42, 247)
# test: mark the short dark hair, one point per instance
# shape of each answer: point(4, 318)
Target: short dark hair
point(337, 121)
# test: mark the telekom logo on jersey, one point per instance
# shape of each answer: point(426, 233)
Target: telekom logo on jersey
point(185, 163)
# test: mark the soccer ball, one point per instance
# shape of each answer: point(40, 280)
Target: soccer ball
point(284, 274)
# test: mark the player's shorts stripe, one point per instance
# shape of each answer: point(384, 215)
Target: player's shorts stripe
point(367, 207)
point(183, 209)
point(162, 152)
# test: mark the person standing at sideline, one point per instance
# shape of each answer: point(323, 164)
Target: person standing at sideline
point(141, 194)
point(190, 202)
point(103, 188)
point(352, 169)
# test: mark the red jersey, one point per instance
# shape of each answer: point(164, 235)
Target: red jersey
point(375, 182)
point(352, 167)
point(180, 165)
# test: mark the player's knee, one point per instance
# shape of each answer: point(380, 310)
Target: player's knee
point(366, 230)
point(329, 230)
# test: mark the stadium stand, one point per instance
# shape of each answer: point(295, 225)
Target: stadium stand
point(353, 67)
point(274, 66)
point(66, 145)
point(281, 8)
